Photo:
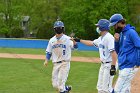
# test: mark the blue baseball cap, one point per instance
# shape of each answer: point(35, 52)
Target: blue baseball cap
point(114, 19)
point(58, 24)
point(103, 24)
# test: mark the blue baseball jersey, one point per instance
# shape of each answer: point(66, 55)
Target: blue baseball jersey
point(128, 48)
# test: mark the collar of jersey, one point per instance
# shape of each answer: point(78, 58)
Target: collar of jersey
point(104, 35)
point(58, 37)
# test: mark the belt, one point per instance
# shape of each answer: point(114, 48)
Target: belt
point(105, 62)
point(61, 61)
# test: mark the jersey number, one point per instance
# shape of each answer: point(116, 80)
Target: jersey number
point(64, 52)
point(104, 53)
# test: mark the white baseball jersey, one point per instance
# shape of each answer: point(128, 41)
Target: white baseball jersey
point(60, 48)
point(106, 45)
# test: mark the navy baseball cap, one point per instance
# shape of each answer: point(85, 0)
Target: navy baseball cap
point(103, 24)
point(58, 24)
point(114, 19)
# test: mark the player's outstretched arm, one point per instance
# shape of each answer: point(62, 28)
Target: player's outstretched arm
point(74, 42)
point(86, 42)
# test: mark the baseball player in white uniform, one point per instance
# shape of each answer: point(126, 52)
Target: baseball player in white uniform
point(59, 48)
point(108, 56)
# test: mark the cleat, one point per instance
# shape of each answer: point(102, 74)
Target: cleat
point(68, 88)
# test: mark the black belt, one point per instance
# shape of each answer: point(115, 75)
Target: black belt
point(59, 62)
point(105, 62)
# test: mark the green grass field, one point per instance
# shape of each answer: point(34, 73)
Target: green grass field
point(30, 76)
point(42, 51)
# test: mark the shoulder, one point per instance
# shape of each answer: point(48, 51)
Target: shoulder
point(52, 39)
point(99, 38)
point(109, 36)
point(66, 37)
point(132, 33)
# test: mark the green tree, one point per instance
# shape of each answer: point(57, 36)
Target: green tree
point(79, 16)
point(17, 32)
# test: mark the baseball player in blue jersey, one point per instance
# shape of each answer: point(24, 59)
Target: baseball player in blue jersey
point(127, 46)
point(59, 48)
point(108, 56)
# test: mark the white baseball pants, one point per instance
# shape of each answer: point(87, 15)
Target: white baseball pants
point(123, 83)
point(104, 84)
point(59, 75)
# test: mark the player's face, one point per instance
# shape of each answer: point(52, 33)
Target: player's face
point(59, 30)
point(118, 27)
point(115, 26)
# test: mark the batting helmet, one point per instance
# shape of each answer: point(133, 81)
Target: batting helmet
point(58, 24)
point(103, 24)
point(115, 19)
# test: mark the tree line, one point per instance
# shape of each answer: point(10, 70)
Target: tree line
point(79, 16)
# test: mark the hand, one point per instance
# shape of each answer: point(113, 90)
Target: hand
point(77, 39)
point(113, 70)
point(45, 63)
point(116, 36)
point(74, 42)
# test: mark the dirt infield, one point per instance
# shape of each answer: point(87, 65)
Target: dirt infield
point(135, 82)
point(29, 56)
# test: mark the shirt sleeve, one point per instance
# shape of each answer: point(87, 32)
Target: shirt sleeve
point(110, 44)
point(49, 48)
point(96, 42)
point(48, 55)
point(71, 44)
point(135, 38)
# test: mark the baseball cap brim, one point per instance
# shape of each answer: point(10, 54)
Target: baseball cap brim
point(57, 26)
point(112, 24)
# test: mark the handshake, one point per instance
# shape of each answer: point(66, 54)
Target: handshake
point(90, 43)
point(76, 39)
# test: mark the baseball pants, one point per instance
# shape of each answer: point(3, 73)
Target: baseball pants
point(59, 75)
point(123, 83)
point(104, 84)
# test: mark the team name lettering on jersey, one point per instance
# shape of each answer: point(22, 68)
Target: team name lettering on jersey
point(58, 46)
point(101, 46)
